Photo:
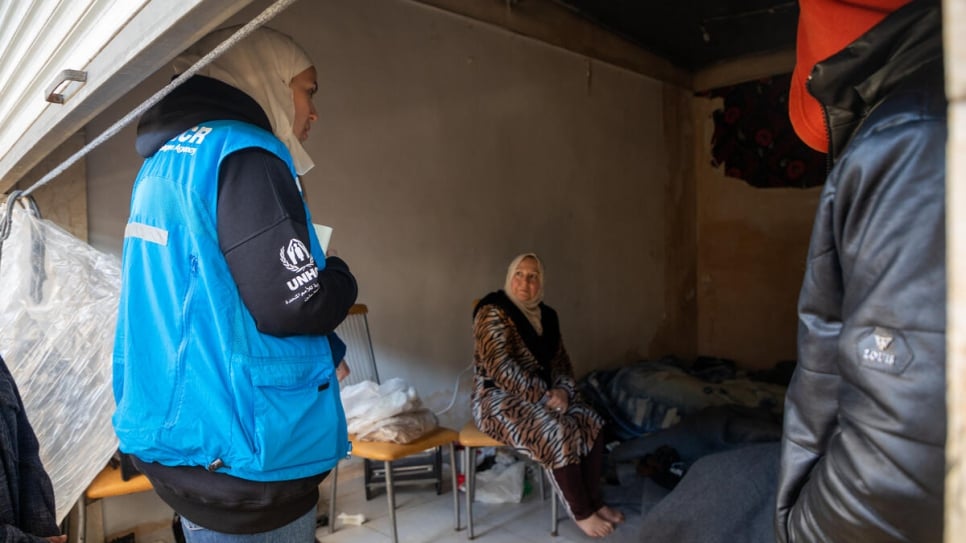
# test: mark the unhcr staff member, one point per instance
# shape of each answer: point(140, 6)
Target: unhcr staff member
point(223, 373)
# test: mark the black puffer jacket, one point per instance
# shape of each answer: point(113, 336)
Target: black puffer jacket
point(864, 434)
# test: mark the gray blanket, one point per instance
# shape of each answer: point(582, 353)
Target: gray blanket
point(727, 494)
point(725, 497)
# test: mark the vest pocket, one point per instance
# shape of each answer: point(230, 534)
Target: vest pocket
point(295, 418)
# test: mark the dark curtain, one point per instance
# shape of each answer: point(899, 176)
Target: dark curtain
point(754, 139)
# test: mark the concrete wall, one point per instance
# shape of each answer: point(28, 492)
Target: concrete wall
point(445, 148)
point(954, 22)
point(64, 199)
point(751, 248)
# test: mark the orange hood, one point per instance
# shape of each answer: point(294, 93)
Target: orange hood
point(825, 27)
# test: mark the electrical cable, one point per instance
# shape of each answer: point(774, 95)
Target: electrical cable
point(455, 391)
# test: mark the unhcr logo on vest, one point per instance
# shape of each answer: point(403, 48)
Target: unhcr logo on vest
point(297, 259)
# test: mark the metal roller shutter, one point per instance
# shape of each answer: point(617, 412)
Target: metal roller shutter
point(114, 43)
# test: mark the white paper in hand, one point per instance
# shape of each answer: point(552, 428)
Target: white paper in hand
point(324, 233)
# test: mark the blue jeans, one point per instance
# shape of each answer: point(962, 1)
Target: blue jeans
point(301, 530)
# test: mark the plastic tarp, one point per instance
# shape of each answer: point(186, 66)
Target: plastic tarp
point(57, 315)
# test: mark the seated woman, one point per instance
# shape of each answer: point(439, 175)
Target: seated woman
point(524, 393)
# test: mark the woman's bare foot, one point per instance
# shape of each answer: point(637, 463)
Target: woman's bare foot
point(595, 526)
point(610, 514)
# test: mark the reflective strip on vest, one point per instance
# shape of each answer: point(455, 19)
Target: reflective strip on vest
point(148, 233)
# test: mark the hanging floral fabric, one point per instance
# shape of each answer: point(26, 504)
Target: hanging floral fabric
point(754, 140)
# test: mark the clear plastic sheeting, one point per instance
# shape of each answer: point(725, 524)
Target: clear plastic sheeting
point(57, 315)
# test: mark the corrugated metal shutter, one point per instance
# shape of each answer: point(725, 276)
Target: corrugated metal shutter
point(39, 39)
point(116, 42)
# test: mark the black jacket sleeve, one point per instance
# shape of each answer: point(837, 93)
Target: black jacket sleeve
point(261, 217)
point(338, 348)
point(26, 493)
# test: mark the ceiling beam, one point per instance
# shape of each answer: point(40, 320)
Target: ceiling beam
point(741, 69)
point(151, 39)
point(551, 23)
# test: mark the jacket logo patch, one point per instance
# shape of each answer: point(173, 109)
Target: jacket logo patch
point(295, 256)
point(884, 350)
point(882, 340)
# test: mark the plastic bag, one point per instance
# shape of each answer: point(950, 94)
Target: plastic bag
point(402, 428)
point(503, 483)
point(389, 412)
point(368, 401)
point(57, 316)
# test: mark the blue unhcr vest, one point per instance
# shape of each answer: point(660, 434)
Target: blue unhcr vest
point(196, 384)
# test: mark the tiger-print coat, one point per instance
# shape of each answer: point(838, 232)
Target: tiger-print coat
point(509, 391)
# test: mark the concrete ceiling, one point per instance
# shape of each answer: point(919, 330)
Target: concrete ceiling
point(696, 34)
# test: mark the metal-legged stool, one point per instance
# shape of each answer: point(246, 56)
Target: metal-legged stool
point(472, 438)
point(387, 452)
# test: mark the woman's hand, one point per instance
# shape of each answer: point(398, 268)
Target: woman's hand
point(57, 539)
point(557, 400)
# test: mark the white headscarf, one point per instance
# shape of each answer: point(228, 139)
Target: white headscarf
point(261, 65)
point(531, 307)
